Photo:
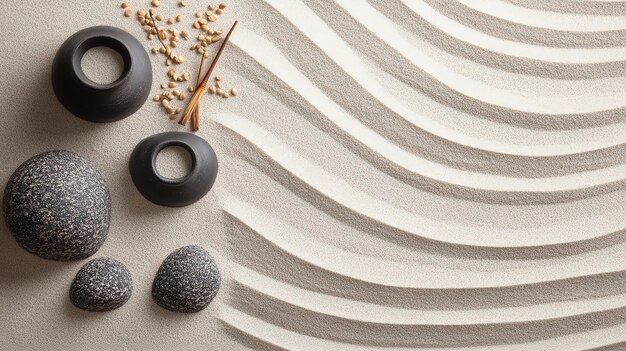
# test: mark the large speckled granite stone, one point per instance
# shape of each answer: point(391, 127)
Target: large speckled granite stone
point(58, 206)
point(103, 284)
point(187, 281)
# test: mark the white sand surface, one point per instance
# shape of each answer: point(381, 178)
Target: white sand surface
point(404, 174)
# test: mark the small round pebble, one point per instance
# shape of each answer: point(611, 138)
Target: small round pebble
point(103, 284)
point(58, 206)
point(187, 280)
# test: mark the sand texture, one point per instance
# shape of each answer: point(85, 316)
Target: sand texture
point(394, 174)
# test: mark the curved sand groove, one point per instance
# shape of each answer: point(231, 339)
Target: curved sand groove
point(398, 274)
point(545, 19)
point(422, 34)
point(431, 252)
point(385, 30)
point(552, 282)
point(281, 266)
point(339, 191)
point(305, 20)
point(578, 7)
point(303, 321)
point(290, 340)
point(273, 61)
point(377, 314)
point(306, 322)
point(504, 29)
point(286, 84)
point(613, 347)
point(512, 48)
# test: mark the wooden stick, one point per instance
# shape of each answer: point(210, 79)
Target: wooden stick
point(157, 30)
point(195, 99)
point(195, 121)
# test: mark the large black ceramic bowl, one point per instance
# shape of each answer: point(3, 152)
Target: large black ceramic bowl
point(102, 102)
point(173, 192)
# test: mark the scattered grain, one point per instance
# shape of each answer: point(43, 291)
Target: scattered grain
point(225, 95)
point(234, 91)
point(170, 21)
point(196, 25)
point(179, 18)
point(218, 77)
point(173, 117)
point(124, 5)
point(155, 3)
point(190, 89)
point(165, 103)
point(211, 7)
point(157, 98)
point(128, 12)
point(172, 85)
point(182, 97)
point(164, 86)
point(212, 18)
point(222, 5)
point(212, 89)
point(184, 34)
point(182, 3)
point(159, 17)
point(198, 14)
point(219, 91)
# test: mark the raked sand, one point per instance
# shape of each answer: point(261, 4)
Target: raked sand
point(441, 175)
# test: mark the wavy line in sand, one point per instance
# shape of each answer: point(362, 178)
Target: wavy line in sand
point(576, 7)
point(341, 53)
point(386, 31)
point(287, 339)
point(545, 19)
point(399, 274)
point(504, 29)
point(360, 311)
point(511, 48)
point(280, 66)
point(253, 251)
point(337, 190)
point(420, 142)
point(310, 323)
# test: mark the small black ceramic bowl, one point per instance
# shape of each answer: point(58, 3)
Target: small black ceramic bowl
point(173, 192)
point(102, 102)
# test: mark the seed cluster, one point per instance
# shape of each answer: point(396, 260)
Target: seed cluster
point(157, 26)
point(217, 89)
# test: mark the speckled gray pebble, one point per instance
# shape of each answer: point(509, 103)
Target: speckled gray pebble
point(58, 206)
point(103, 284)
point(187, 281)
